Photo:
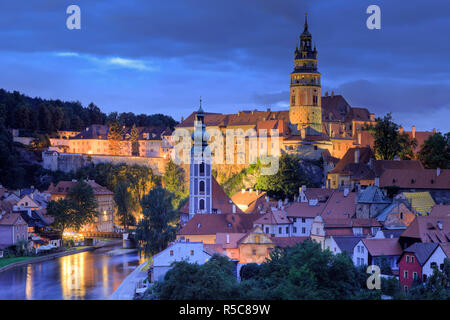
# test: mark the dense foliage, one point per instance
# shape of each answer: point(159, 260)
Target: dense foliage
point(173, 180)
point(47, 116)
point(389, 142)
point(435, 152)
point(158, 224)
point(76, 210)
point(286, 182)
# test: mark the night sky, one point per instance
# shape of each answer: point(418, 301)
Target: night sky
point(161, 56)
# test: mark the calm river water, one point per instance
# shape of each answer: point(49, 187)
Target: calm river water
point(91, 275)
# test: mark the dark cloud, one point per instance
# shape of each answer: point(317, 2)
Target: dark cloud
point(235, 53)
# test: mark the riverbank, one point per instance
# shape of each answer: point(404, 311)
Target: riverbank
point(52, 256)
point(127, 288)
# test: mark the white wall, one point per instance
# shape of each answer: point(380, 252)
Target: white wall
point(299, 224)
point(438, 257)
point(360, 254)
point(181, 252)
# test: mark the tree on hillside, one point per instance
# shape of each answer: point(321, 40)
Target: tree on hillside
point(157, 227)
point(435, 152)
point(125, 205)
point(173, 181)
point(41, 142)
point(389, 142)
point(286, 182)
point(115, 136)
point(83, 204)
point(11, 174)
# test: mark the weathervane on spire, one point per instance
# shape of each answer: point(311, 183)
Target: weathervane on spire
point(306, 21)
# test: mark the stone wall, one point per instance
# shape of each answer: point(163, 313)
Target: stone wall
point(67, 162)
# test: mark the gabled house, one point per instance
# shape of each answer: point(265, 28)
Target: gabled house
point(192, 252)
point(255, 246)
point(396, 216)
point(249, 200)
point(377, 249)
point(12, 229)
point(417, 262)
point(351, 246)
point(370, 202)
point(302, 215)
point(275, 223)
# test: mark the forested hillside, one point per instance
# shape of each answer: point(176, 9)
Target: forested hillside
point(47, 116)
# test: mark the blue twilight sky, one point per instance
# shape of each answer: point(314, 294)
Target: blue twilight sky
point(150, 56)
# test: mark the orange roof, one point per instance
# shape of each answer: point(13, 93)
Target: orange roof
point(343, 166)
point(383, 247)
point(221, 238)
point(220, 200)
point(207, 224)
point(416, 178)
point(248, 198)
point(421, 137)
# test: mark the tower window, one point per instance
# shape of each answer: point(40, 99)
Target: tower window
point(202, 186)
point(292, 99)
point(202, 168)
point(202, 204)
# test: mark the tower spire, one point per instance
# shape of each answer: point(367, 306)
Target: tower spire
point(306, 22)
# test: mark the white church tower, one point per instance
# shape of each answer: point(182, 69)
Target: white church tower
point(200, 200)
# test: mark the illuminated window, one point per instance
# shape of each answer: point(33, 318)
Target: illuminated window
point(192, 252)
point(171, 252)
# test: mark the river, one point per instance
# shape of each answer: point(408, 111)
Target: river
point(91, 275)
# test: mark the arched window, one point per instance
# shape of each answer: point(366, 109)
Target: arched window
point(202, 204)
point(202, 186)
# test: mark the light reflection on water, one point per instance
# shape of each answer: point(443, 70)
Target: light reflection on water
point(87, 275)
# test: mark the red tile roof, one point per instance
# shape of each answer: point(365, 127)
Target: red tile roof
point(220, 200)
point(379, 166)
point(273, 217)
point(383, 247)
point(11, 219)
point(347, 164)
point(248, 198)
point(416, 178)
point(284, 242)
point(63, 187)
point(207, 224)
point(440, 210)
point(427, 229)
point(340, 206)
point(304, 210)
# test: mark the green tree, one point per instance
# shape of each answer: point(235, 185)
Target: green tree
point(84, 205)
point(286, 182)
point(12, 175)
point(157, 227)
point(173, 181)
point(41, 142)
point(62, 213)
point(435, 152)
point(125, 205)
point(213, 280)
point(389, 142)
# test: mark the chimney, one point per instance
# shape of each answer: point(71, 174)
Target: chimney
point(303, 133)
point(357, 156)
point(401, 130)
point(438, 172)
point(228, 238)
point(359, 138)
point(413, 132)
point(332, 93)
point(346, 192)
point(234, 208)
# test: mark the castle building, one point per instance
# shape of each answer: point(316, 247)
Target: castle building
point(312, 125)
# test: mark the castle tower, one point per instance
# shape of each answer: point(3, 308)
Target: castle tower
point(200, 169)
point(305, 102)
